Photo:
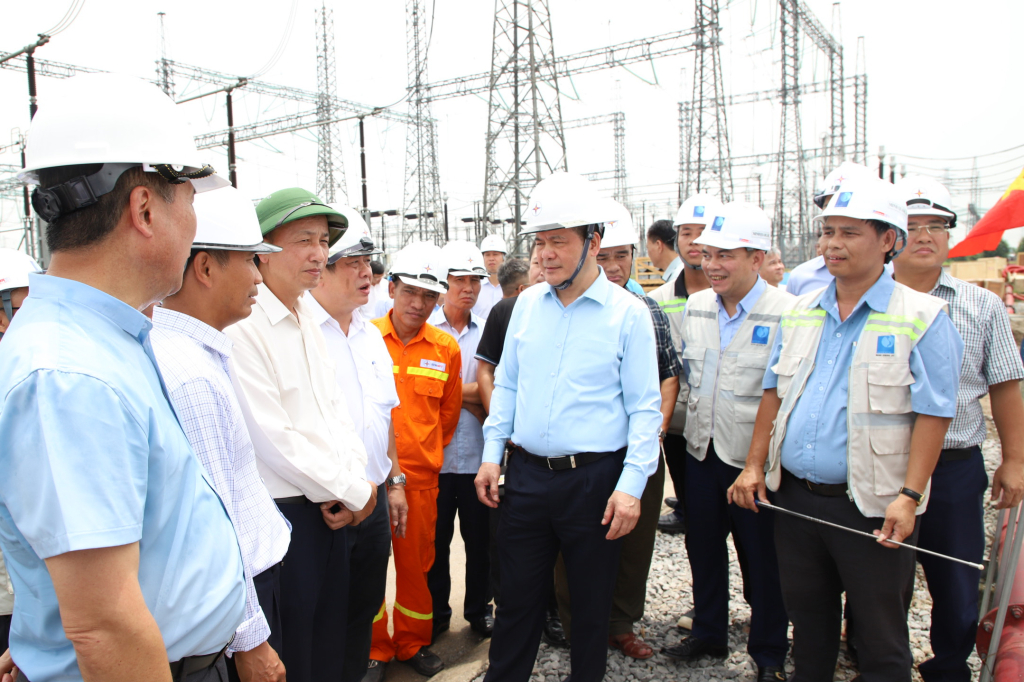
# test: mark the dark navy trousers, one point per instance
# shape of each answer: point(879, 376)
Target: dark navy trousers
point(711, 519)
point(543, 512)
point(369, 547)
point(953, 524)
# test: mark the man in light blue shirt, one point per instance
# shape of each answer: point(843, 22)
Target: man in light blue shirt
point(122, 555)
point(577, 392)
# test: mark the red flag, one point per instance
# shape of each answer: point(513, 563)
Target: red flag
point(1007, 214)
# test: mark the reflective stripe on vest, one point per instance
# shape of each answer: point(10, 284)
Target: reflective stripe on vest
point(674, 305)
point(423, 372)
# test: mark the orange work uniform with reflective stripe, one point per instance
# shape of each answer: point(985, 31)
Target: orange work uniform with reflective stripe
point(428, 376)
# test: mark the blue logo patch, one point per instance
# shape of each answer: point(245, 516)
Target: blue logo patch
point(886, 345)
point(717, 225)
point(844, 199)
point(698, 211)
point(760, 335)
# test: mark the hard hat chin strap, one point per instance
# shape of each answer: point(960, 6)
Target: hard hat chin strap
point(896, 252)
point(692, 267)
point(8, 308)
point(583, 259)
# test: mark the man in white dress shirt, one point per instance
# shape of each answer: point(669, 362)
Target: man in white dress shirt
point(493, 249)
point(307, 449)
point(193, 354)
point(364, 374)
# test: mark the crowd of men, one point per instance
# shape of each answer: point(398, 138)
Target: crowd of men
point(218, 422)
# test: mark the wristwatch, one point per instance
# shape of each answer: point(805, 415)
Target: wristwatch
point(395, 480)
point(915, 496)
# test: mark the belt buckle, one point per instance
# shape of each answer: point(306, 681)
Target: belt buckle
point(810, 487)
point(549, 463)
point(572, 461)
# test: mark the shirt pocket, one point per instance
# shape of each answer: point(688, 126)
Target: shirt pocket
point(750, 374)
point(785, 369)
point(693, 356)
point(888, 391)
point(429, 392)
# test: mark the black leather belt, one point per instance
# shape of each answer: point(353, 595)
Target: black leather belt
point(567, 461)
point(298, 499)
point(956, 454)
point(194, 664)
point(823, 489)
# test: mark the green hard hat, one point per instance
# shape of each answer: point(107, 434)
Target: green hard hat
point(286, 205)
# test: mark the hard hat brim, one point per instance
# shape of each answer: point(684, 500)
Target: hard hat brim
point(261, 247)
point(925, 209)
point(331, 260)
point(725, 242)
point(471, 273)
point(550, 227)
point(423, 284)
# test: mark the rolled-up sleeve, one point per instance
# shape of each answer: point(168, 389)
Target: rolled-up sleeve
point(641, 397)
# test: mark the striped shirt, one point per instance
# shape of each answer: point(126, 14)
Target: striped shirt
point(669, 364)
point(193, 359)
point(990, 354)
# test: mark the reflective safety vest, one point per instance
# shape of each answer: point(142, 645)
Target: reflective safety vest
point(879, 416)
point(725, 384)
point(673, 305)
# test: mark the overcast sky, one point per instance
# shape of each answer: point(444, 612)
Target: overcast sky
point(941, 85)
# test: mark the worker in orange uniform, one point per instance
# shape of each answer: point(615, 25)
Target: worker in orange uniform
point(428, 375)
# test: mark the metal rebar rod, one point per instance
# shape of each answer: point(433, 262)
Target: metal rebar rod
point(1004, 595)
point(993, 561)
point(773, 507)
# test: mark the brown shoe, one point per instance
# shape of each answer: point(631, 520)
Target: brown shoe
point(631, 645)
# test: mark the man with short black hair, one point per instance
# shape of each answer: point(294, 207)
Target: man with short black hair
point(661, 248)
point(513, 276)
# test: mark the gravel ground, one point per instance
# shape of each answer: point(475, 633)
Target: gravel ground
point(668, 596)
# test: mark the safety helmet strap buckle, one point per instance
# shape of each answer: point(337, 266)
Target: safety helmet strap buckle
point(78, 192)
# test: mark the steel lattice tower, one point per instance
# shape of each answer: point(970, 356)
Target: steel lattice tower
point(791, 210)
point(860, 107)
point(705, 163)
point(523, 108)
point(422, 194)
point(621, 193)
point(330, 166)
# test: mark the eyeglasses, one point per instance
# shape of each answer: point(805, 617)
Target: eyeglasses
point(935, 228)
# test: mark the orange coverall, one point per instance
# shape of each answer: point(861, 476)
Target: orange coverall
point(428, 376)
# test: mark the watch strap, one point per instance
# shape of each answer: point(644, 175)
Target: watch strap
point(912, 494)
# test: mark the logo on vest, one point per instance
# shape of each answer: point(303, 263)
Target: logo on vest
point(886, 345)
point(760, 335)
point(844, 199)
point(430, 364)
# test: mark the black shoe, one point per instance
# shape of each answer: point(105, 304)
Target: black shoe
point(691, 648)
point(771, 673)
point(553, 633)
point(425, 662)
point(672, 502)
point(375, 671)
point(671, 523)
point(440, 625)
point(483, 626)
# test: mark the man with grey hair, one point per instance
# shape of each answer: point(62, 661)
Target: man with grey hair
point(513, 277)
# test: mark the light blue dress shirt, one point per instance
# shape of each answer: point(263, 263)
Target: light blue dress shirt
point(728, 326)
point(462, 455)
point(673, 269)
point(579, 378)
point(634, 286)
point(813, 275)
point(92, 457)
point(815, 444)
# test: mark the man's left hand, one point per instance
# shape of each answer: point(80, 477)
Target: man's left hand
point(261, 664)
point(622, 513)
point(8, 671)
point(1008, 484)
point(900, 517)
point(399, 508)
point(335, 521)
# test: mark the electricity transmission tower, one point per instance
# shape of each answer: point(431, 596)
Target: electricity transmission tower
point(791, 208)
point(422, 179)
point(705, 165)
point(330, 164)
point(523, 99)
point(163, 70)
point(860, 107)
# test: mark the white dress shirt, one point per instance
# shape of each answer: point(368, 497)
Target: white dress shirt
point(306, 443)
point(466, 449)
point(489, 295)
point(364, 373)
point(193, 359)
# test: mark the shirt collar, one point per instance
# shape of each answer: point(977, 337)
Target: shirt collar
point(598, 291)
point(117, 311)
point(389, 328)
point(877, 297)
point(317, 312)
point(271, 304)
point(193, 328)
point(750, 300)
point(945, 280)
point(439, 319)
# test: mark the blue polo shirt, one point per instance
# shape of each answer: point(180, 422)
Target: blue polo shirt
point(93, 456)
point(815, 444)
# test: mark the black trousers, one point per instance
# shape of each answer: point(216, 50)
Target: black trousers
point(314, 596)
point(817, 564)
point(456, 494)
point(369, 547)
point(546, 511)
point(675, 462)
point(5, 632)
point(953, 524)
point(713, 520)
point(268, 592)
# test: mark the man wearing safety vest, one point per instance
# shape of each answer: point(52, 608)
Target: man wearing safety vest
point(727, 336)
point(428, 375)
point(858, 396)
point(954, 523)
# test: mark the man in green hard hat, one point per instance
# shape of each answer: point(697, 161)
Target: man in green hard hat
point(307, 449)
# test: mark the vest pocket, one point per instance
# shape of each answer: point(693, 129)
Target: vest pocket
point(891, 449)
point(786, 369)
point(750, 375)
point(888, 388)
point(693, 356)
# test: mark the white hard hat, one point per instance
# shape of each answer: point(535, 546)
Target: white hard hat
point(419, 265)
point(697, 210)
point(15, 267)
point(463, 258)
point(738, 225)
point(846, 171)
point(618, 231)
point(226, 221)
point(868, 199)
point(493, 242)
point(357, 240)
point(564, 200)
point(112, 119)
point(927, 196)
